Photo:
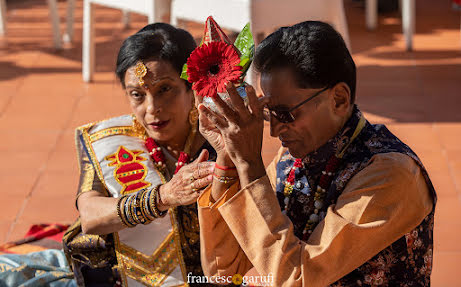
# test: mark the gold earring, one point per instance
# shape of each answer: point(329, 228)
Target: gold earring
point(193, 116)
point(138, 128)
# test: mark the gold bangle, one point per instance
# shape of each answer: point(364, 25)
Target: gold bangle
point(224, 179)
point(154, 205)
point(121, 214)
point(127, 211)
point(144, 214)
point(145, 206)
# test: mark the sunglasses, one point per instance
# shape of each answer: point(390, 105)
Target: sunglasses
point(285, 115)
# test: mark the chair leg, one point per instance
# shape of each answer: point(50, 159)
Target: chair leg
point(126, 19)
point(371, 7)
point(2, 17)
point(408, 22)
point(342, 24)
point(160, 11)
point(69, 36)
point(54, 17)
point(88, 49)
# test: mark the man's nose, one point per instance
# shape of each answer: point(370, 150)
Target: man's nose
point(276, 127)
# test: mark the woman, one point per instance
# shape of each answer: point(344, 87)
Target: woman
point(137, 169)
point(134, 168)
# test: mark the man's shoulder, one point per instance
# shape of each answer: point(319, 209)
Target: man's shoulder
point(394, 163)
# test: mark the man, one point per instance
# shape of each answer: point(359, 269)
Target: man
point(353, 205)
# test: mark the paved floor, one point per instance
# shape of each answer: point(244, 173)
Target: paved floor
point(42, 99)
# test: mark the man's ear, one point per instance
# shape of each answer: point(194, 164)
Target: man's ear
point(341, 99)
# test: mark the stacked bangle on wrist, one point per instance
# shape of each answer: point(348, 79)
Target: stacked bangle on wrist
point(224, 179)
point(154, 207)
point(139, 208)
point(122, 215)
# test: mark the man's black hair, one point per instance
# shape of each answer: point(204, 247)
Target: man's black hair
point(314, 51)
point(157, 41)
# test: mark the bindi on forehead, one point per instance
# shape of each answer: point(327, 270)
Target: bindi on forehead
point(156, 71)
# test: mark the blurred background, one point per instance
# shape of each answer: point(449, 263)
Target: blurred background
point(54, 77)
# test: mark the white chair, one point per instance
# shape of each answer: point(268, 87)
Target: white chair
point(408, 19)
point(54, 18)
point(2, 17)
point(264, 15)
point(155, 10)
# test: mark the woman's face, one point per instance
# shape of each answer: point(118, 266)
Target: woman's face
point(162, 105)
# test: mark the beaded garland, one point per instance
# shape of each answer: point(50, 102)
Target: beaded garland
point(159, 158)
point(324, 182)
point(319, 195)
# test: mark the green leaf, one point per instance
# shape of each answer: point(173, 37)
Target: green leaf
point(245, 63)
point(184, 74)
point(245, 44)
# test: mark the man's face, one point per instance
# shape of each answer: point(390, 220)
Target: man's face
point(315, 121)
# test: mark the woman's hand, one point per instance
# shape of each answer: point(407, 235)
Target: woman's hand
point(185, 186)
point(241, 130)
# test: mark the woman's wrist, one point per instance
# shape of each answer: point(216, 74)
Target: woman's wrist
point(162, 205)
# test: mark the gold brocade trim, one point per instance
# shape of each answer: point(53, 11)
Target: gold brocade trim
point(150, 270)
point(126, 130)
point(92, 154)
point(87, 182)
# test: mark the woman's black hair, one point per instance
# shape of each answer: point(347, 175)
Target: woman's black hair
point(157, 41)
point(314, 51)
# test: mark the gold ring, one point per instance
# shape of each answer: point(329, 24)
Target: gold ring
point(194, 189)
point(192, 178)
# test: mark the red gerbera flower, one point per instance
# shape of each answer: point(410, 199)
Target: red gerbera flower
point(211, 66)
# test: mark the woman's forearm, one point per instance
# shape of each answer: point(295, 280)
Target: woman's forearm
point(98, 214)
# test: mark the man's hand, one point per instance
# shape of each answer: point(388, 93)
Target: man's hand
point(241, 129)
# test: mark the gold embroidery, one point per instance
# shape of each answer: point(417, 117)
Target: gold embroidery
point(92, 154)
point(128, 131)
point(131, 252)
point(88, 178)
point(150, 270)
point(129, 171)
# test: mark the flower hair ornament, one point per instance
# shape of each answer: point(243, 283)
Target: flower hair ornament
point(217, 61)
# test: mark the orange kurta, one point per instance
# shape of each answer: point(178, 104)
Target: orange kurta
point(245, 228)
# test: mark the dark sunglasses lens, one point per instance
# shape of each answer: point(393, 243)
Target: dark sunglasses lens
point(283, 116)
point(266, 115)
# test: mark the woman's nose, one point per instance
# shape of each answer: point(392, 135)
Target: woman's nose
point(152, 106)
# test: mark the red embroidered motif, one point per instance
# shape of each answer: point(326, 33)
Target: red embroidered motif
point(129, 170)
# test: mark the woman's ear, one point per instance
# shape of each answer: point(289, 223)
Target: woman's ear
point(341, 99)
